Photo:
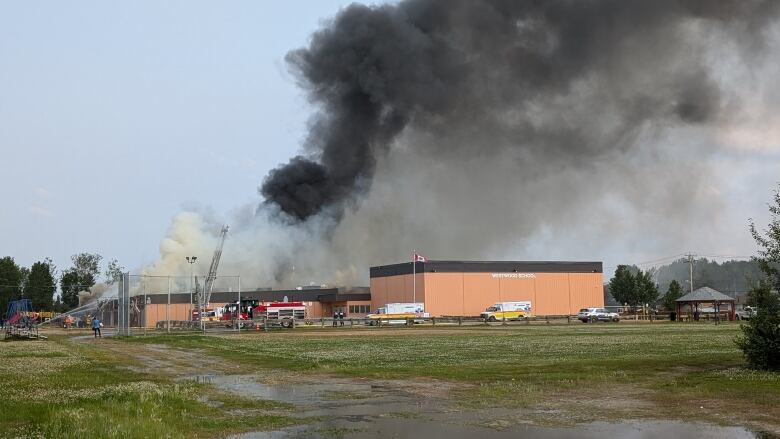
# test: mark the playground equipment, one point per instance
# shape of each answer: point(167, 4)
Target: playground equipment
point(20, 320)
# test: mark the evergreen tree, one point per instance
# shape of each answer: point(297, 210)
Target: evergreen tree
point(647, 291)
point(760, 339)
point(10, 283)
point(672, 294)
point(622, 286)
point(40, 286)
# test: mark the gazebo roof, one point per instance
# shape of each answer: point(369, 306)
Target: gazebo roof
point(705, 294)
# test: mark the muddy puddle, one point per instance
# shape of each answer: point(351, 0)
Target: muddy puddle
point(335, 398)
point(388, 428)
point(350, 409)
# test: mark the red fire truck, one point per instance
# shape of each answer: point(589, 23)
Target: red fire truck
point(230, 312)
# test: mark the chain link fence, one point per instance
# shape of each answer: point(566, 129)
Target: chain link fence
point(164, 303)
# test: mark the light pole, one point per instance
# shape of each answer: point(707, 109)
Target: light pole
point(191, 260)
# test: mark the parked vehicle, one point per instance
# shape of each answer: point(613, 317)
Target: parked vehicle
point(231, 311)
point(282, 313)
point(507, 311)
point(597, 315)
point(398, 313)
point(746, 313)
point(207, 315)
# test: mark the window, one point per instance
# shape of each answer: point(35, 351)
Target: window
point(359, 309)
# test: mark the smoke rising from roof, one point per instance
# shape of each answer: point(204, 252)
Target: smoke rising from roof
point(508, 129)
point(572, 79)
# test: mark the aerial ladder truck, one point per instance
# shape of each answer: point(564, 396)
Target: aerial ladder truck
point(204, 295)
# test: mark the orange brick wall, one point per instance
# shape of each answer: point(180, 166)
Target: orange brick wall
point(468, 294)
point(396, 289)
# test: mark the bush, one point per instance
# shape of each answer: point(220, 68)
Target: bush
point(760, 339)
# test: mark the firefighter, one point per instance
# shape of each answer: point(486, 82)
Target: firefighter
point(341, 318)
point(96, 327)
point(335, 318)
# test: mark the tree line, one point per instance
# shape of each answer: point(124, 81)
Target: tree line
point(39, 282)
point(664, 285)
point(760, 337)
point(633, 287)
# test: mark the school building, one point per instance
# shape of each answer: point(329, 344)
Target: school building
point(320, 302)
point(466, 288)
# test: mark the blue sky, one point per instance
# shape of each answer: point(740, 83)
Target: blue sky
point(116, 115)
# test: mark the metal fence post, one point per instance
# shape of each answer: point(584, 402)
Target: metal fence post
point(238, 321)
point(146, 311)
point(119, 297)
point(168, 307)
point(118, 306)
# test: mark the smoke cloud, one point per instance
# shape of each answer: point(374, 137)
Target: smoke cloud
point(95, 292)
point(509, 72)
point(502, 129)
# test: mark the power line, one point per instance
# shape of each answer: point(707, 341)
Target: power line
point(681, 255)
point(727, 256)
point(656, 261)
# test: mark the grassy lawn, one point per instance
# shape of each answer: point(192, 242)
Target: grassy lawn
point(602, 371)
point(62, 389)
point(548, 374)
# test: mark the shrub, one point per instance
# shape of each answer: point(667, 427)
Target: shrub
point(760, 339)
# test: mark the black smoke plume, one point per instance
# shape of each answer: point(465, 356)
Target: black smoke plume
point(498, 72)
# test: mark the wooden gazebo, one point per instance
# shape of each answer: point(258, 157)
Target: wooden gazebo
point(708, 296)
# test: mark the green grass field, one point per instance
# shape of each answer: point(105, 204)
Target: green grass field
point(551, 374)
point(62, 389)
point(663, 370)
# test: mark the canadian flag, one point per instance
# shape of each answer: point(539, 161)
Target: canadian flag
point(419, 258)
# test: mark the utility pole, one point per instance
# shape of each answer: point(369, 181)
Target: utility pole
point(690, 269)
point(191, 260)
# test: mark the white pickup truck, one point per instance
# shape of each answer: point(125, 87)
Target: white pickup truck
point(746, 313)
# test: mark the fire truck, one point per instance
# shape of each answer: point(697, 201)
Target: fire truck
point(230, 312)
point(282, 313)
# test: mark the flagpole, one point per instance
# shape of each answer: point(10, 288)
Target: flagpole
point(414, 276)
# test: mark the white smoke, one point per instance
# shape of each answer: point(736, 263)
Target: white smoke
point(96, 292)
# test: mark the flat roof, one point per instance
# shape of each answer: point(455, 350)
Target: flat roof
point(324, 295)
point(486, 267)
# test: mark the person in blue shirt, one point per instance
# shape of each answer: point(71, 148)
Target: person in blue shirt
point(96, 327)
